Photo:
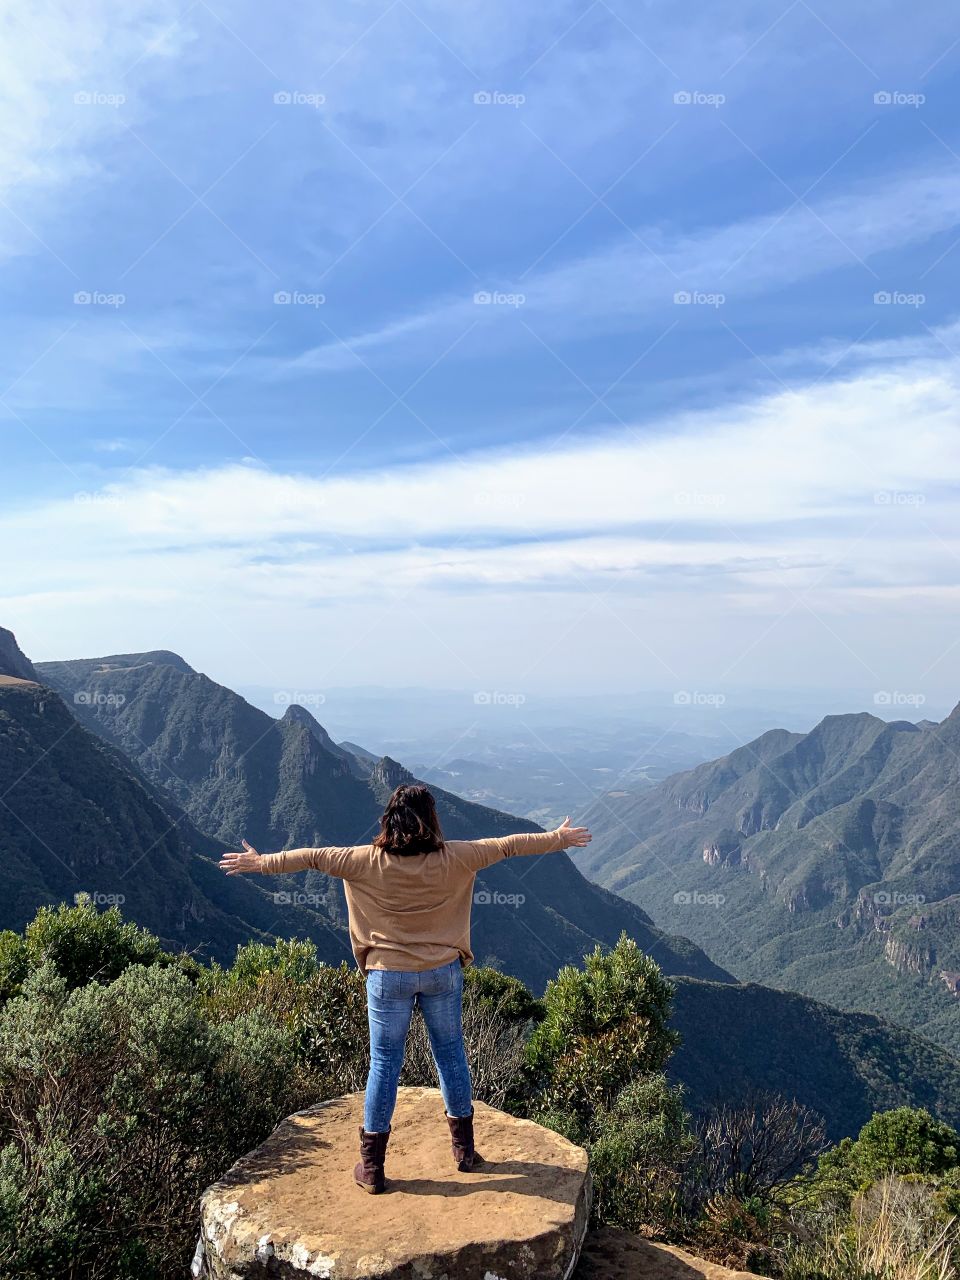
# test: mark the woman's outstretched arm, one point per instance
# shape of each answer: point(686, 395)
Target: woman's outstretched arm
point(483, 853)
point(331, 860)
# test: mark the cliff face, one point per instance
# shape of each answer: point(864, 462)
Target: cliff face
point(13, 661)
point(852, 829)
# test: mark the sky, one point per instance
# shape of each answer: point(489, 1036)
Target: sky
point(569, 347)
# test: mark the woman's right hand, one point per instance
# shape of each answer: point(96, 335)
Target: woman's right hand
point(237, 864)
point(573, 837)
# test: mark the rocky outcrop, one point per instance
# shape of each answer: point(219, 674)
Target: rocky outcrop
point(290, 1208)
point(609, 1254)
point(13, 661)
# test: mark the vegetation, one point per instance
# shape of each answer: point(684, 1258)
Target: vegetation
point(131, 1078)
point(831, 867)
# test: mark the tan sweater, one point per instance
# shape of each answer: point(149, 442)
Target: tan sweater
point(411, 912)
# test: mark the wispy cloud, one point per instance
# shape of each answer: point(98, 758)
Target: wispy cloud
point(622, 286)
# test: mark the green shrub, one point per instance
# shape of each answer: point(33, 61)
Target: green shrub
point(83, 945)
point(119, 1103)
point(604, 1026)
point(902, 1141)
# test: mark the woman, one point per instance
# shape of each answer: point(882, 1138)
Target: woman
point(409, 895)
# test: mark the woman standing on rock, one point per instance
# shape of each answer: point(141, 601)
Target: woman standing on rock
point(409, 895)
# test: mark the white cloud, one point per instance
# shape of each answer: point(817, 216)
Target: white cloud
point(795, 538)
point(791, 474)
point(65, 85)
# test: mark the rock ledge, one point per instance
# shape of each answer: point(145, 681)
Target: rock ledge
point(290, 1208)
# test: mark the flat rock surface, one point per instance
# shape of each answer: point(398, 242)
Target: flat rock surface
point(609, 1254)
point(291, 1208)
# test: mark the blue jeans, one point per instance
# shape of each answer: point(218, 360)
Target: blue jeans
point(391, 995)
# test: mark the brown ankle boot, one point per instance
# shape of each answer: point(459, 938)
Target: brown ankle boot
point(368, 1172)
point(461, 1134)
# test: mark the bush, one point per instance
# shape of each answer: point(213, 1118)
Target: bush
point(638, 1149)
point(83, 945)
point(604, 1026)
point(904, 1141)
point(119, 1103)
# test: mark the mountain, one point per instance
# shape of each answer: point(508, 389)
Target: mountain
point(827, 863)
point(743, 1037)
point(239, 773)
point(76, 817)
point(14, 664)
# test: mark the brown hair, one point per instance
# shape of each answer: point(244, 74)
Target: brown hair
point(410, 824)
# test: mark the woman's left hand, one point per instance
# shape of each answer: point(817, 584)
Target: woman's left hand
point(236, 864)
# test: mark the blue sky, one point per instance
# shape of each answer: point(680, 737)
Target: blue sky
point(619, 348)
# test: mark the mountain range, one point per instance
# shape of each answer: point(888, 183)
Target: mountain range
point(230, 771)
point(129, 782)
point(827, 863)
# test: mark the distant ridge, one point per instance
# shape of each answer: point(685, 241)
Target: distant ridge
point(826, 862)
